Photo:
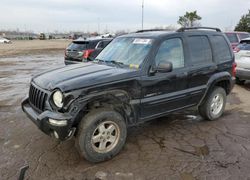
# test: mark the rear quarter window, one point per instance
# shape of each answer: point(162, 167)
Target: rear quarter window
point(200, 50)
point(221, 49)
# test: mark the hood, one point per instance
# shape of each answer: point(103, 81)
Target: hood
point(81, 75)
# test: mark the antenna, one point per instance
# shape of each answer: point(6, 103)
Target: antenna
point(142, 15)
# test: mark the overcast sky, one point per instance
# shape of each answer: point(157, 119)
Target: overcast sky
point(85, 15)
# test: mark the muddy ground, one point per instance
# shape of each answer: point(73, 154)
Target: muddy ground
point(177, 147)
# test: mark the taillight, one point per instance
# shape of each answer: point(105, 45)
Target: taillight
point(87, 53)
point(236, 50)
point(234, 69)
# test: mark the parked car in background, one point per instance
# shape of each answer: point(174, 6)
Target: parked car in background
point(235, 37)
point(242, 58)
point(4, 40)
point(82, 50)
point(136, 78)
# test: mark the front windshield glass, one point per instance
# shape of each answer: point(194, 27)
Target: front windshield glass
point(126, 51)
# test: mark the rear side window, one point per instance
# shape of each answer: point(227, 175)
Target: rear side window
point(222, 51)
point(200, 50)
point(232, 37)
point(100, 45)
point(92, 44)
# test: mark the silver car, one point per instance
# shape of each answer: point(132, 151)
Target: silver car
point(242, 58)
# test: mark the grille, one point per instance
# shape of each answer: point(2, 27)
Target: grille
point(37, 97)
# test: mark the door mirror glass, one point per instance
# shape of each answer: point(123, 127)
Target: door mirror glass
point(164, 67)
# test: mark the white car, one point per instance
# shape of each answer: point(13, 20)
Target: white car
point(4, 40)
point(242, 58)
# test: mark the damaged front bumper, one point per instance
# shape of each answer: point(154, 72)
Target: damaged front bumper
point(58, 125)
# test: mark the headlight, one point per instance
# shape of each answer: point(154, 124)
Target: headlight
point(58, 98)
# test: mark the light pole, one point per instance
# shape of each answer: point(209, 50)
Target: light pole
point(142, 14)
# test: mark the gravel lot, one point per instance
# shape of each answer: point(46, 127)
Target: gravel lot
point(180, 146)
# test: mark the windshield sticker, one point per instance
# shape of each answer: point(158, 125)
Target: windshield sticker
point(142, 41)
point(134, 66)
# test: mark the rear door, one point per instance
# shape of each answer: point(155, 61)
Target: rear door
point(201, 66)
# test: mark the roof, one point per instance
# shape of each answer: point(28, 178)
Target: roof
point(149, 34)
point(162, 33)
point(90, 39)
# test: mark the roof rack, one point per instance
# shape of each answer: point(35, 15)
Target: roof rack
point(149, 30)
point(191, 28)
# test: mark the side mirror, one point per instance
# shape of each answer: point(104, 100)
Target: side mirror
point(164, 67)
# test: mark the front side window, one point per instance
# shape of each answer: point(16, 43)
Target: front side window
point(126, 51)
point(200, 50)
point(171, 50)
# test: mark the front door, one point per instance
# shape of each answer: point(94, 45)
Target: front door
point(165, 92)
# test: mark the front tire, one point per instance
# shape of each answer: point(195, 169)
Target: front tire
point(102, 134)
point(214, 105)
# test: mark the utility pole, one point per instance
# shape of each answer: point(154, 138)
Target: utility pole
point(142, 15)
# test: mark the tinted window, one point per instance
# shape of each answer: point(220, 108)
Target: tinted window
point(105, 43)
point(200, 50)
point(78, 45)
point(232, 37)
point(100, 45)
point(171, 51)
point(243, 36)
point(92, 44)
point(221, 49)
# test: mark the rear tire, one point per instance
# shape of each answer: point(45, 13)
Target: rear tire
point(239, 82)
point(102, 134)
point(214, 105)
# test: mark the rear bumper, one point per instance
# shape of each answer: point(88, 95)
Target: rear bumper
point(42, 122)
point(68, 62)
point(243, 74)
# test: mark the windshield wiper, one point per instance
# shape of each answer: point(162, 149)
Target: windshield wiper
point(120, 64)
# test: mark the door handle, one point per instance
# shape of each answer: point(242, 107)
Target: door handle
point(182, 75)
point(213, 68)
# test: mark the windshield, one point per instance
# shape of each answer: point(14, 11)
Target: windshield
point(126, 51)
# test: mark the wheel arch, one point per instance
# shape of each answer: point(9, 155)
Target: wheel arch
point(118, 100)
point(222, 79)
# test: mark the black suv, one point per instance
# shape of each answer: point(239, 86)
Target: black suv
point(84, 49)
point(137, 77)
